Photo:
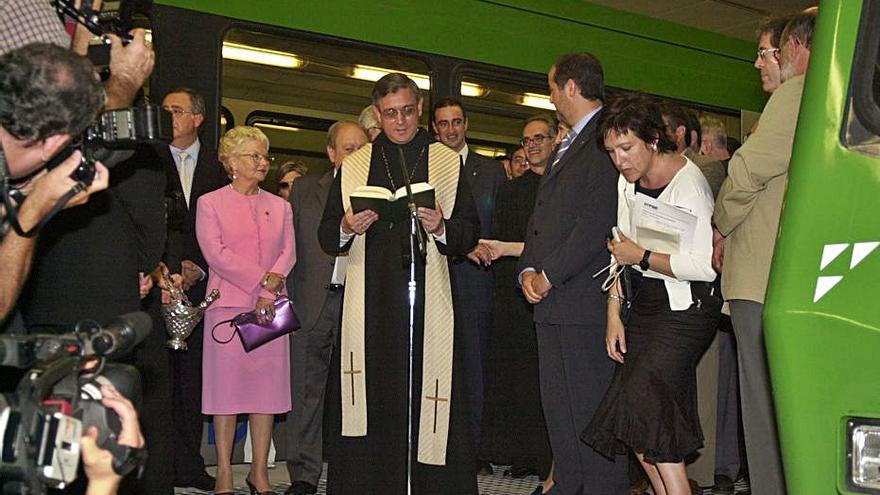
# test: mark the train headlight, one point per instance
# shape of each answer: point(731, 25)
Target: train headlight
point(864, 453)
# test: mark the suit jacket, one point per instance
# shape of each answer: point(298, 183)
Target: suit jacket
point(243, 237)
point(311, 275)
point(208, 176)
point(713, 170)
point(474, 284)
point(750, 201)
point(574, 211)
point(87, 260)
point(485, 176)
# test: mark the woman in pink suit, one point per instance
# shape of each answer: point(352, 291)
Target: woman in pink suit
point(247, 237)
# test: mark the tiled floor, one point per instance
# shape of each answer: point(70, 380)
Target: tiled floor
point(495, 484)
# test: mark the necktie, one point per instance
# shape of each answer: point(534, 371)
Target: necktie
point(563, 147)
point(183, 167)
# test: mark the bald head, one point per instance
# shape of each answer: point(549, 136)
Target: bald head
point(344, 138)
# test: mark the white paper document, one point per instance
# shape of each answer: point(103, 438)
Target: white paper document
point(662, 227)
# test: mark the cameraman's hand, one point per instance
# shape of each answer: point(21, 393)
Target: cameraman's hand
point(82, 35)
point(130, 65)
point(48, 186)
point(98, 462)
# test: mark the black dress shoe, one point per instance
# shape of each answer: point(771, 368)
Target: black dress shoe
point(203, 482)
point(484, 468)
point(538, 491)
point(301, 488)
point(723, 485)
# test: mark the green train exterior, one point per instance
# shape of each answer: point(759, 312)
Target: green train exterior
point(822, 316)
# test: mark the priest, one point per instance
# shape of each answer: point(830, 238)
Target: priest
point(381, 450)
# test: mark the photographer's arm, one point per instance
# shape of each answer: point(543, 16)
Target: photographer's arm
point(45, 189)
point(130, 65)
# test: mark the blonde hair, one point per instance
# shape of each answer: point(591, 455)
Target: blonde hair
point(234, 139)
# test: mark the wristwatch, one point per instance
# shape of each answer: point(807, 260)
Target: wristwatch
point(645, 264)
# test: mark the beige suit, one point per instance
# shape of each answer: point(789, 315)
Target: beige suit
point(747, 212)
point(750, 201)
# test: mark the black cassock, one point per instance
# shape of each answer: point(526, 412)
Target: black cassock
point(377, 463)
point(513, 421)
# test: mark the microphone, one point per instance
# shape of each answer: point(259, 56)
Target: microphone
point(121, 334)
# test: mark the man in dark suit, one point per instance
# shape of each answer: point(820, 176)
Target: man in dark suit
point(191, 170)
point(574, 211)
point(473, 284)
point(315, 285)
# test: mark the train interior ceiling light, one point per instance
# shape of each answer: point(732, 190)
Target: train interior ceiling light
point(286, 60)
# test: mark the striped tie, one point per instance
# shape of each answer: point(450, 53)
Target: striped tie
point(563, 147)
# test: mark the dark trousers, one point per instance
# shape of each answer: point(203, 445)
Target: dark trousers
point(759, 416)
point(474, 301)
point(310, 353)
point(727, 427)
point(575, 372)
point(186, 403)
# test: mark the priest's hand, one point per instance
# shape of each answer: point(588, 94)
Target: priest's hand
point(358, 223)
point(432, 220)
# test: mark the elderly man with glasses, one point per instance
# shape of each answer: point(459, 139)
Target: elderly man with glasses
point(539, 135)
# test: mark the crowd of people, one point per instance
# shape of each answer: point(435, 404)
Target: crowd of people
point(536, 322)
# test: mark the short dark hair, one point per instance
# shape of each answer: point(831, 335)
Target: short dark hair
point(801, 27)
point(47, 90)
point(291, 166)
point(677, 117)
point(693, 124)
point(547, 119)
point(449, 101)
point(392, 83)
point(586, 72)
point(640, 114)
point(774, 26)
point(197, 101)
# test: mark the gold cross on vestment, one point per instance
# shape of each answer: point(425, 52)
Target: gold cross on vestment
point(437, 399)
point(351, 372)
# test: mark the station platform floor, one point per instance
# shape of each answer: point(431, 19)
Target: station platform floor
point(494, 484)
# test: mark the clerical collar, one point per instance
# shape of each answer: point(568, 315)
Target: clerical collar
point(421, 138)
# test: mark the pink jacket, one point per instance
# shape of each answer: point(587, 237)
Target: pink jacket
point(242, 238)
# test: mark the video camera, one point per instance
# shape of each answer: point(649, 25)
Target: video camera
point(60, 398)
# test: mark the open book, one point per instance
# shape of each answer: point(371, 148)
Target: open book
point(391, 206)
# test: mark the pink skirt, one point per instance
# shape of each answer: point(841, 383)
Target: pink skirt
point(239, 382)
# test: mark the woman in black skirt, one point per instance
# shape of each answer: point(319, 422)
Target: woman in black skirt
point(651, 405)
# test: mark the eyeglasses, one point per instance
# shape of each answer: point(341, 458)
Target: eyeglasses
point(537, 139)
point(257, 158)
point(407, 111)
point(285, 184)
point(519, 159)
point(443, 124)
point(176, 110)
point(766, 53)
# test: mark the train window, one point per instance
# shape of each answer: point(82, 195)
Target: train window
point(294, 87)
point(497, 108)
point(861, 129)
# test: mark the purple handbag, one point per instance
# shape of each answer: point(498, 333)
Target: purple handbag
point(254, 334)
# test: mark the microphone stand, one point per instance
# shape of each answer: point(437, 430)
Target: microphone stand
point(416, 238)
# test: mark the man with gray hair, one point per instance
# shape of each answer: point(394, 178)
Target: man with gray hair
point(380, 396)
point(714, 143)
point(315, 286)
point(746, 218)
